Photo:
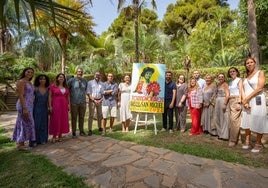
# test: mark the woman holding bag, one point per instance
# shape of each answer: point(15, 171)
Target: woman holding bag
point(254, 105)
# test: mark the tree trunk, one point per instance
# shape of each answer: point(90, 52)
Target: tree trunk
point(64, 37)
point(136, 26)
point(252, 29)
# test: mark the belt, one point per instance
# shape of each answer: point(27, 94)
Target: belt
point(234, 96)
point(98, 99)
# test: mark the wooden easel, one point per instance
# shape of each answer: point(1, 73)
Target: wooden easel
point(145, 121)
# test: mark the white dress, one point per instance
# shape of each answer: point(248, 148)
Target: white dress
point(255, 118)
point(125, 112)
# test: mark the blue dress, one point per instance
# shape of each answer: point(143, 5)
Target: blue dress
point(24, 127)
point(41, 117)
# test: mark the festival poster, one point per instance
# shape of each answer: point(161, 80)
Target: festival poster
point(148, 88)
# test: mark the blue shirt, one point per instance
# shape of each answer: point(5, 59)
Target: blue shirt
point(78, 90)
point(169, 87)
point(110, 99)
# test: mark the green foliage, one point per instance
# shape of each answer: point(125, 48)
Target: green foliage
point(184, 15)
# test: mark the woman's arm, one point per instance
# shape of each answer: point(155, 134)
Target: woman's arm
point(227, 93)
point(50, 100)
point(260, 86)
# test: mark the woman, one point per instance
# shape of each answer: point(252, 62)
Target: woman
point(180, 107)
point(209, 92)
point(234, 105)
point(124, 100)
point(24, 127)
point(254, 104)
point(59, 101)
point(41, 84)
point(195, 99)
point(221, 114)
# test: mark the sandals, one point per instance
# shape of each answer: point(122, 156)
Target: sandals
point(257, 148)
point(53, 141)
point(60, 140)
point(246, 145)
point(21, 148)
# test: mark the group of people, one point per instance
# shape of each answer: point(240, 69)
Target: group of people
point(219, 109)
point(223, 108)
point(43, 108)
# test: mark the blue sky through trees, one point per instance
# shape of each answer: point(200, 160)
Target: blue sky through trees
point(104, 12)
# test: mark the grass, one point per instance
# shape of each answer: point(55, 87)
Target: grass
point(24, 169)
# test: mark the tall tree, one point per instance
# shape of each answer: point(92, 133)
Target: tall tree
point(136, 6)
point(252, 29)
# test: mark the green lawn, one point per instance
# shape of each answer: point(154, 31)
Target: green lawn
point(24, 169)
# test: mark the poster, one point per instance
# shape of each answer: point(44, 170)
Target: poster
point(148, 88)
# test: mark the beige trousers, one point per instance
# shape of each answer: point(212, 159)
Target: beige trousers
point(235, 119)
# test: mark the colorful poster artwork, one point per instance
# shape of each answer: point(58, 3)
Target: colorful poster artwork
point(148, 88)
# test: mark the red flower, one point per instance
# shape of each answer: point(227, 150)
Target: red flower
point(153, 87)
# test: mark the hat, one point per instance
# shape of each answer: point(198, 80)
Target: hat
point(147, 69)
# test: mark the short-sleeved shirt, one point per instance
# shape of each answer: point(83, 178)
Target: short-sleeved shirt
point(169, 87)
point(78, 90)
point(95, 88)
point(201, 82)
point(111, 99)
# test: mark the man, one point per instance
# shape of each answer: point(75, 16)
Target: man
point(201, 82)
point(170, 94)
point(109, 104)
point(78, 87)
point(94, 92)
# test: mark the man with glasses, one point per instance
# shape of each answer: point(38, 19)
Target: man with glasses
point(78, 88)
point(95, 95)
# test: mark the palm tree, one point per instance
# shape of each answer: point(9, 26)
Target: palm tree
point(136, 6)
point(79, 23)
point(252, 29)
point(29, 7)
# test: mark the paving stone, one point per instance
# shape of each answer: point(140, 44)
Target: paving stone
point(153, 181)
point(160, 151)
point(94, 157)
point(163, 166)
point(143, 162)
point(136, 174)
point(168, 181)
point(102, 180)
point(137, 185)
point(210, 178)
point(124, 157)
point(138, 148)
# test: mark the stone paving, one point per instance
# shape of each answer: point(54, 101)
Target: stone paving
point(106, 162)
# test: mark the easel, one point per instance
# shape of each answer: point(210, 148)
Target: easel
point(145, 121)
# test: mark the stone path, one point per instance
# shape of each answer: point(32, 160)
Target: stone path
point(110, 163)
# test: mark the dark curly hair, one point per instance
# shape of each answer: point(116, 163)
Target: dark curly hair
point(37, 80)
